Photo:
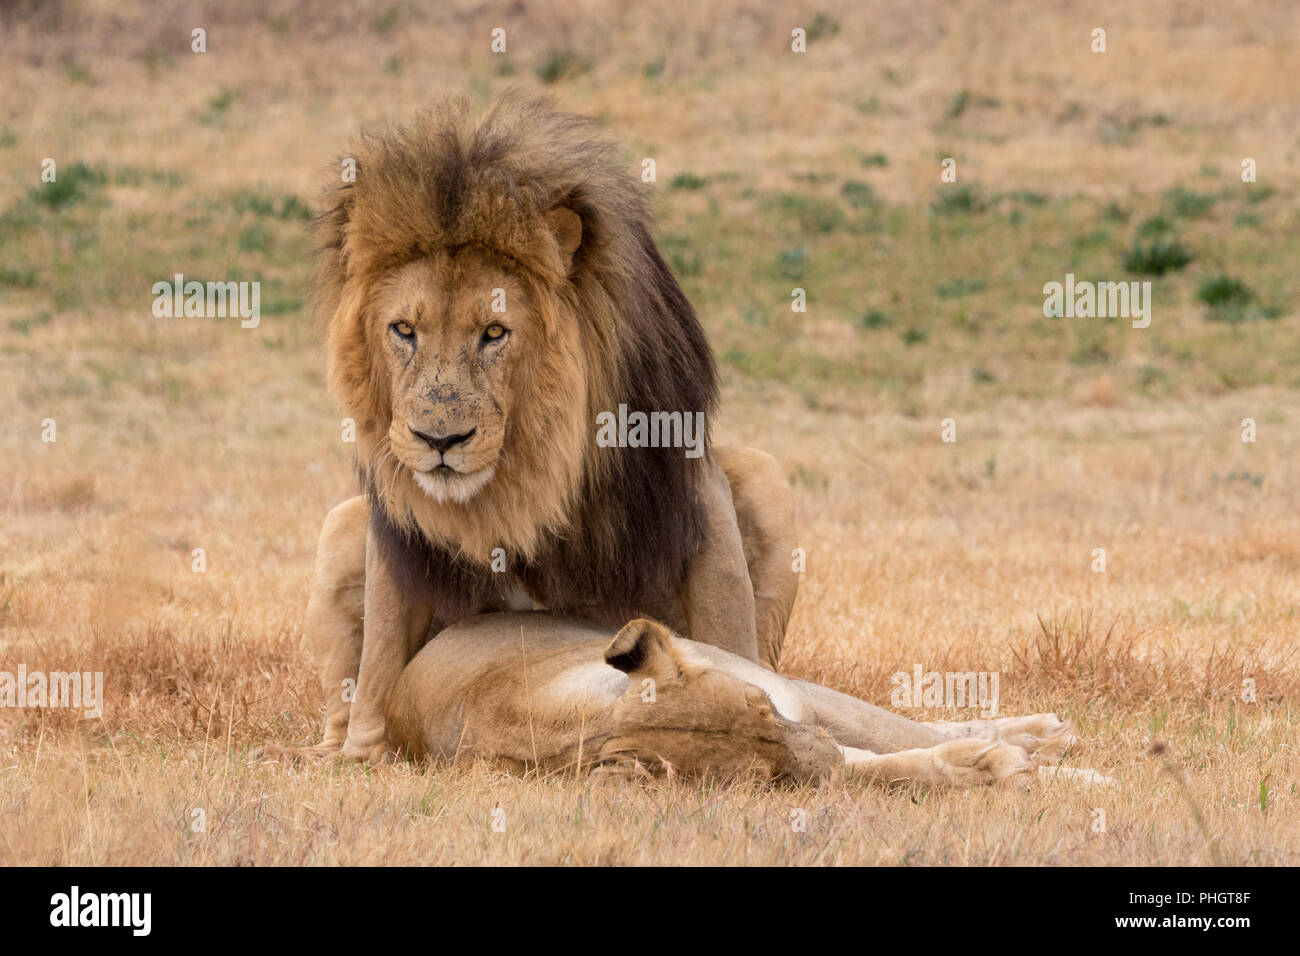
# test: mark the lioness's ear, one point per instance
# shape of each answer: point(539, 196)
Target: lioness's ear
point(645, 648)
point(567, 226)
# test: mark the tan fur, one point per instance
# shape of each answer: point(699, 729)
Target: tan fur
point(763, 510)
point(488, 289)
point(534, 692)
point(537, 691)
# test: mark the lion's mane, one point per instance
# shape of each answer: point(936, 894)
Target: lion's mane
point(582, 526)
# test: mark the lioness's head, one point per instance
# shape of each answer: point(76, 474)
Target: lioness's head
point(702, 720)
point(459, 338)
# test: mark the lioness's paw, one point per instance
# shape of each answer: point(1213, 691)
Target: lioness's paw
point(1045, 736)
point(974, 762)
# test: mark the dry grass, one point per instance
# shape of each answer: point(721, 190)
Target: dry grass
point(183, 434)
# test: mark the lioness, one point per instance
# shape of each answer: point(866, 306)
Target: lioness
point(531, 691)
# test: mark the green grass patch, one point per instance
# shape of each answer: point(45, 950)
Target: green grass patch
point(1223, 290)
point(1155, 227)
point(823, 25)
point(858, 194)
point(962, 285)
point(17, 278)
point(791, 263)
point(957, 200)
point(1260, 192)
point(25, 326)
point(1156, 258)
point(688, 181)
point(1188, 204)
point(289, 208)
point(562, 65)
point(72, 185)
point(219, 105)
point(254, 238)
point(814, 214)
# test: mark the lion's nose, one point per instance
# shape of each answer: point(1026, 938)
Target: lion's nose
point(443, 443)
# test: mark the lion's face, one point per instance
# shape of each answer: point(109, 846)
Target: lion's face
point(453, 366)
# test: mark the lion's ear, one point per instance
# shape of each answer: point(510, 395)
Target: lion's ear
point(644, 648)
point(567, 226)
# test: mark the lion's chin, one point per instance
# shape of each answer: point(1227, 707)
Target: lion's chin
point(453, 487)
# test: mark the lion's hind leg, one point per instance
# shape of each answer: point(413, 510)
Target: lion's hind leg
point(764, 509)
point(955, 764)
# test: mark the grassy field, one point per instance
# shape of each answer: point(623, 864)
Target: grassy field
point(775, 170)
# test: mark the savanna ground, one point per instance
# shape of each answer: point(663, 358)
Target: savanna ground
point(775, 170)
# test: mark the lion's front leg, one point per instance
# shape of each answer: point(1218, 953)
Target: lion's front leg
point(718, 599)
point(395, 626)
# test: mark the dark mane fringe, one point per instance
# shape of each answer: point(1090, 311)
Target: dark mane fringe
point(640, 521)
point(445, 182)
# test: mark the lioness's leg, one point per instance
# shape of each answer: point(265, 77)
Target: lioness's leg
point(334, 609)
point(718, 598)
point(1043, 734)
point(857, 724)
point(956, 763)
point(765, 515)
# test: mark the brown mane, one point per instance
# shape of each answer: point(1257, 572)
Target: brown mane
point(584, 527)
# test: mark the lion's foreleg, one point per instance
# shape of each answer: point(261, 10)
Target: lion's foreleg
point(336, 641)
point(394, 627)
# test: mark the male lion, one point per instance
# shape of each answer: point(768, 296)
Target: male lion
point(489, 289)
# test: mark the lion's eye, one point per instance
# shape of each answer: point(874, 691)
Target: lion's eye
point(403, 330)
point(494, 332)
